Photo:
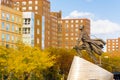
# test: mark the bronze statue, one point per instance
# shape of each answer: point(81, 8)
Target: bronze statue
point(90, 45)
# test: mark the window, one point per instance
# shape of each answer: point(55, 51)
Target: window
point(30, 8)
point(19, 20)
point(108, 43)
point(116, 40)
point(7, 27)
point(71, 21)
point(72, 34)
point(3, 15)
point(37, 40)
point(17, 29)
point(66, 34)
point(81, 21)
point(67, 30)
point(76, 21)
point(108, 40)
point(17, 9)
point(26, 30)
point(13, 18)
point(71, 38)
point(7, 37)
point(17, 3)
point(36, 2)
point(7, 2)
point(76, 30)
point(36, 12)
point(13, 28)
point(77, 25)
point(117, 43)
point(66, 21)
point(113, 49)
point(66, 38)
point(113, 40)
point(23, 8)
point(23, 3)
point(76, 38)
point(38, 22)
point(7, 16)
point(116, 47)
point(12, 38)
point(38, 31)
point(72, 26)
point(3, 25)
point(113, 43)
point(27, 21)
point(113, 46)
point(30, 2)
point(67, 25)
point(36, 7)
point(3, 37)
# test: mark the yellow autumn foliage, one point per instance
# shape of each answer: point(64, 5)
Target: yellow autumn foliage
point(24, 59)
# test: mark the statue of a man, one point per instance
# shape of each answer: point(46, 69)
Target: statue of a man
point(90, 45)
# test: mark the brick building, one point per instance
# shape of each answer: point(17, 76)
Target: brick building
point(55, 17)
point(113, 45)
point(69, 31)
point(41, 8)
point(31, 29)
point(45, 29)
point(11, 22)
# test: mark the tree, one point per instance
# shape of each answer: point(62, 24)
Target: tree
point(3, 60)
point(24, 62)
point(110, 61)
point(63, 60)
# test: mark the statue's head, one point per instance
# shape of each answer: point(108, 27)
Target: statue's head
point(81, 27)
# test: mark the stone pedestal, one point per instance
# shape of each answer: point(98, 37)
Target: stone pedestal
point(82, 69)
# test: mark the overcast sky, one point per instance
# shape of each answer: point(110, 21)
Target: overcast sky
point(104, 15)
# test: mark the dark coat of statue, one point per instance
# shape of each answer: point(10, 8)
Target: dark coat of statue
point(90, 45)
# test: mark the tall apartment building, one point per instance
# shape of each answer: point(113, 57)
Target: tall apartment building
point(55, 17)
point(10, 23)
point(113, 45)
point(69, 31)
point(41, 8)
point(53, 31)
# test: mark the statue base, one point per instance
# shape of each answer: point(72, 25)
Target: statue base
point(82, 69)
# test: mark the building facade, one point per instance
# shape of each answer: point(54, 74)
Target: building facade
point(31, 29)
point(69, 32)
point(41, 8)
point(113, 45)
point(10, 25)
point(8, 3)
point(55, 17)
